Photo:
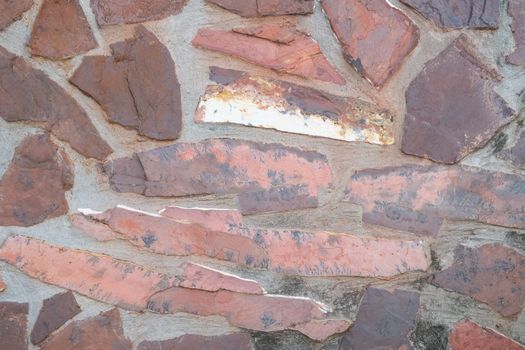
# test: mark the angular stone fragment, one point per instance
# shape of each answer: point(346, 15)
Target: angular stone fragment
point(11, 10)
point(61, 31)
point(103, 331)
point(516, 154)
point(321, 329)
point(110, 12)
point(517, 12)
point(375, 36)
point(27, 94)
point(258, 8)
point(55, 312)
point(261, 102)
point(452, 108)
point(236, 341)
point(418, 198)
point(137, 87)
point(32, 189)
point(13, 326)
point(468, 335)
point(282, 48)
point(456, 14)
point(492, 274)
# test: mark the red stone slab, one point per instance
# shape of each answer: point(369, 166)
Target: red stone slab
point(468, 335)
point(259, 8)
point(11, 10)
point(13, 326)
point(236, 341)
point(517, 12)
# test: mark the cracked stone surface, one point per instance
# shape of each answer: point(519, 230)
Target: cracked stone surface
point(259, 8)
point(468, 335)
point(12, 10)
point(236, 341)
point(13, 325)
point(517, 12)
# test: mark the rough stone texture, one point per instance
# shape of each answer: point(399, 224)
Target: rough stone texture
point(258, 8)
point(321, 329)
point(468, 335)
point(27, 94)
point(492, 274)
point(137, 87)
point(516, 154)
point(236, 341)
point(517, 12)
point(13, 325)
point(418, 198)
point(11, 10)
point(214, 219)
point(261, 102)
point(375, 36)
point(452, 108)
point(280, 47)
point(456, 14)
point(32, 188)
point(61, 31)
point(110, 12)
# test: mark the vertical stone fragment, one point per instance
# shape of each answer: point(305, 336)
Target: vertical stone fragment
point(258, 8)
point(236, 341)
point(11, 10)
point(517, 12)
point(13, 326)
point(468, 335)
point(516, 154)
point(2, 284)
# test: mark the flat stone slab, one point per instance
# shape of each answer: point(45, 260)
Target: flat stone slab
point(468, 335)
point(517, 12)
point(13, 325)
point(12, 10)
point(236, 341)
point(260, 8)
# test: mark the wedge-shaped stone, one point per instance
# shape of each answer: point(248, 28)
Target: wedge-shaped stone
point(452, 108)
point(11, 10)
point(224, 166)
point(137, 86)
point(261, 102)
point(468, 335)
point(282, 48)
point(492, 274)
point(375, 36)
point(321, 329)
point(418, 198)
point(13, 326)
point(110, 12)
point(517, 12)
point(516, 154)
point(236, 341)
point(61, 31)
point(27, 94)
point(258, 8)
point(33, 187)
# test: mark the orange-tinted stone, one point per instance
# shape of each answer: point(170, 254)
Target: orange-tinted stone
point(517, 12)
point(97, 230)
point(258, 8)
point(236, 341)
point(11, 10)
point(375, 36)
point(516, 154)
point(321, 329)
point(282, 48)
point(13, 326)
point(468, 335)
point(2, 284)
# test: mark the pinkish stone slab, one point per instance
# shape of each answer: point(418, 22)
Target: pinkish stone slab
point(12, 10)
point(236, 341)
point(215, 219)
point(321, 329)
point(468, 335)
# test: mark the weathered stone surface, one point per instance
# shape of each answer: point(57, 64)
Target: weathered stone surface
point(32, 189)
point(27, 94)
point(11, 10)
point(103, 331)
point(516, 154)
point(61, 31)
point(261, 102)
point(455, 14)
point(492, 274)
point(468, 335)
point(137, 87)
point(215, 219)
point(321, 329)
point(452, 108)
point(236, 341)
point(282, 48)
point(375, 36)
point(517, 12)
point(258, 8)
point(110, 12)
point(55, 312)
point(13, 326)
point(221, 166)
point(418, 198)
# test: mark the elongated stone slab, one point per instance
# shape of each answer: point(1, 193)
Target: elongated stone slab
point(27, 94)
point(452, 107)
point(516, 154)
point(11, 10)
point(376, 37)
point(260, 8)
point(215, 219)
point(418, 198)
point(236, 341)
point(273, 104)
point(517, 12)
point(13, 325)
point(492, 274)
point(282, 48)
point(468, 335)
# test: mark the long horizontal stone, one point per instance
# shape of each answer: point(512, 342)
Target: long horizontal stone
point(261, 102)
point(259, 8)
point(467, 335)
point(236, 341)
point(10, 11)
point(516, 11)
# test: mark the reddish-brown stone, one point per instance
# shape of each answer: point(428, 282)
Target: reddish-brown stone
point(111, 12)
point(61, 31)
point(236, 341)
point(32, 189)
point(492, 274)
point(384, 321)
point(321, 329)
point(137, 87)
point(455, 14)
point(517, 12)
point(2, 284)
point(103, 331)
point(468, 335)
point(452, 108)
point(55, 312)
point(375, 36)
point(282, 48)
point(258, 8)
point(27, 94)
point(11, 10)
point(13, 326)
point(516, 154)
point(418, 198)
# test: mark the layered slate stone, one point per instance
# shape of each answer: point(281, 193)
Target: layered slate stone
point(516, 154)
point(220, 166)
point(110, 12)
point(492, 274)
point(384, 321)
point(517, 12)
point(452, 108)
point(376, 37)
point(468, 335)
point(11, 10)
point(280, 47)
point(236, 341)
point(61, 31)
point(456, 14)
point(27, 94)
point(137, 86)
point(33, 187)
point(55, 312)
point(259, 8)
point(103, 331)
point(13, 325)
point(418, 198)
point(261, 102)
